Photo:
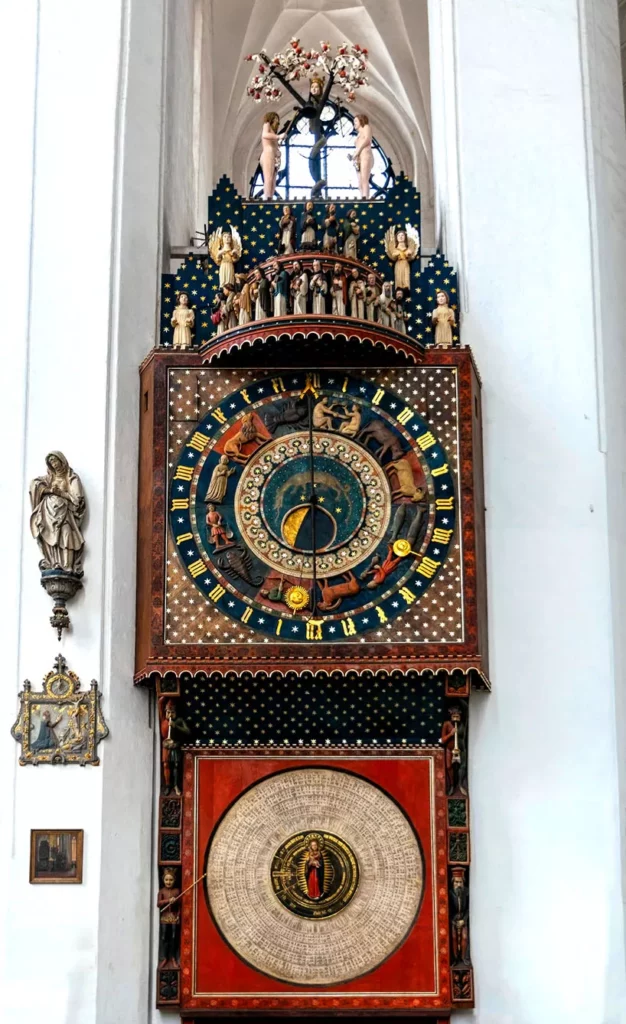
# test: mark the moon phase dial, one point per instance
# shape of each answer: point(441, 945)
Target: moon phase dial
point(314, 546)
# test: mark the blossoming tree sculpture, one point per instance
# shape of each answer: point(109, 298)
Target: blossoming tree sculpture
point(322, 69)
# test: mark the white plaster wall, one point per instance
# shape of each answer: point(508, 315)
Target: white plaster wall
point(82, 192)
point(180, 171)
point(546, 887)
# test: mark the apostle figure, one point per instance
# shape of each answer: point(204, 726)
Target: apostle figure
point(174, 731)
point(219, 481)
point(386, 304)
point(308, 236)
point(230, 312)
point(314, 870)
point(351, 233)
point(372, 293)
point(299, 287)
point(339, 291)
point(242, 301)
point(58, 504)
point(362, 158)
point(263, 295)
point(356, 294)
point(329, 240)
point(270, 153)
point(280, 288)
point(443, 320)
point(217, 307)
point(400, 315)
point(453, 740)
point(287, 232)
point(319, 288)
point(183, 319)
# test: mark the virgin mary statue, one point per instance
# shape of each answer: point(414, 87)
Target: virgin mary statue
point(58, 504)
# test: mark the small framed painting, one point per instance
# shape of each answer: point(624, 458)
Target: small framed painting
point(56, 857)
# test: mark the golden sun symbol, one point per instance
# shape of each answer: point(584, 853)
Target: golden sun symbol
point(296, 598)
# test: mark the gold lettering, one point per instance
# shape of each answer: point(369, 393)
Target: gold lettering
point(442, 536)
point(440, 471)
point(279, 626)
point(182, 537)
point(197, 567)
point(217, 592)
point(405, 416)
point(426, 440)
point(428, 567)
point(219, 416)
point(345, 384)
point(377, 397)
point(246, 615)
point(183, 473)
point(381, 615)
point(198, 441)
point(314, 629)
point(444, 503)
point(244, 395)
point(277, 384)
point(407, 594)
point(348, 627)
point(178, 503)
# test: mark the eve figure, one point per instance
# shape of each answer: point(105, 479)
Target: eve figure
point(270, 153)
point(58, 504)
point(443, 320)
point(183, 319)
point(319, 288)
point(363, 158)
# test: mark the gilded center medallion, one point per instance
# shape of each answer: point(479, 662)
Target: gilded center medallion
point(315, 874)
point(282, 526)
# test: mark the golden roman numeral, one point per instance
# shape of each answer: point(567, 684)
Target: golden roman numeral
point(183, 473)
point(348, 627)
point(217, 592)
point(246, 615)
point(381, 615)
point(178, 503)
point(182, 537)
point(426, 440)
point(218, 415)
point(407, 594)
point(198, 441)
point(197, 567)
point(314, 629)
point(440, 471)
point(428, 568)
point(442, 536)
point(405, 416)
point(377, 397)
point(245, 396)
point(344, 387)
point(279, 626)
point(444, 502)
point(277, 384)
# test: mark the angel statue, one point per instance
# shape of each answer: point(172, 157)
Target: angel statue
point(402, 246)
point(225, 249)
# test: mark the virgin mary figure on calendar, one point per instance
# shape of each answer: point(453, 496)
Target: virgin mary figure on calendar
point(314, 870)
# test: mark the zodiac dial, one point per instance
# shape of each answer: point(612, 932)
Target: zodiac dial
point(312, 507)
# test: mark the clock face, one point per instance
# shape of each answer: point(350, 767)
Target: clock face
point(313, 508)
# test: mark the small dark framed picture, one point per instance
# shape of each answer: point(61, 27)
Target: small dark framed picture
point(56, 857)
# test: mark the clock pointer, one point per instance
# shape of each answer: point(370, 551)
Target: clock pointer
point(311, 392)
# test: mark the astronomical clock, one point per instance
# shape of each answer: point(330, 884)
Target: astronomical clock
point(312, 614)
